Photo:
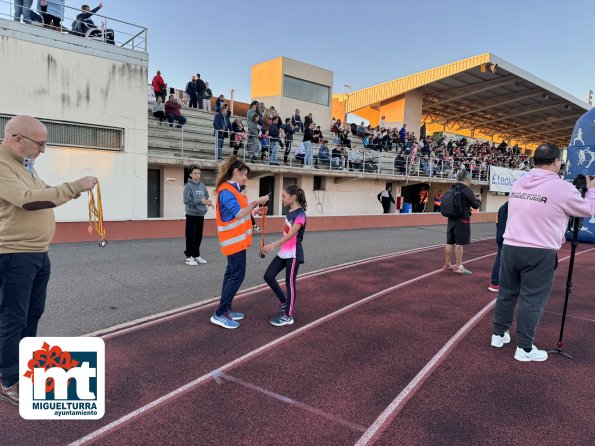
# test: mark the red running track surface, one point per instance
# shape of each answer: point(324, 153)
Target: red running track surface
point(330, 381)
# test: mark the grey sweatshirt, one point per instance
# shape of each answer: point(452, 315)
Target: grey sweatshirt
point(193, 193)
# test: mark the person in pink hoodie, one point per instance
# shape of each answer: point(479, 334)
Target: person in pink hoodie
point(540, 205)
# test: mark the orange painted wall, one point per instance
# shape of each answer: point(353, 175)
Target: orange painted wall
point(369, 114)
point(393, 110)
point(267, 78)
point(154, 229)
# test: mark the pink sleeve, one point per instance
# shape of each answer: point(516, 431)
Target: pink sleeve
point(300, 220)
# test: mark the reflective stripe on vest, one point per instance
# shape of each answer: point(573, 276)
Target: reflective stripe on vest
point(234, 235)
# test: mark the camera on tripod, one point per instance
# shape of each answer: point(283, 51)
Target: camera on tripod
point(580, 182)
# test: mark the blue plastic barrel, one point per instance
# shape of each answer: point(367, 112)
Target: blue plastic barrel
point(407, 208)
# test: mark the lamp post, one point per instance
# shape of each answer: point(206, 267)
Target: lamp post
point(346, 93)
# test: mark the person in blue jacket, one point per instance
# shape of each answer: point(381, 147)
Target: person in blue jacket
point(222, 125)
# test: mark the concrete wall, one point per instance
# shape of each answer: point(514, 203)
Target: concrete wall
point(267, 86)
point(56, 79)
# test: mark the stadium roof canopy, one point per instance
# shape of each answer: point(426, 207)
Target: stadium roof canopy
point(485, 95)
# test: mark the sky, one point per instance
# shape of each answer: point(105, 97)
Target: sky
point(363, 43)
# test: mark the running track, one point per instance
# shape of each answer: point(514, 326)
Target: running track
point(388, 351)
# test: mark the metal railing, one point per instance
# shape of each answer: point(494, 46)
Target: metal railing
point(107, 29)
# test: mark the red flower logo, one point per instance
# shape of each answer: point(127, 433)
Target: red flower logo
point(46, 358)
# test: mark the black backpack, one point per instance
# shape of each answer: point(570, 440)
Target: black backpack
point(452, 203)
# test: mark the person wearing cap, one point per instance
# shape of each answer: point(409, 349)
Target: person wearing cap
point(539, 206)
point(458, 231)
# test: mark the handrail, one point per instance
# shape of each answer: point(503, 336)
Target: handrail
point(124, 37)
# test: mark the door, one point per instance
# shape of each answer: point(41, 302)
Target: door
point(154, 193)
point(267, 185)
point(287, 181)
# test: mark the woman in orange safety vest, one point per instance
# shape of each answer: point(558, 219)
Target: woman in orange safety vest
point(234, 229)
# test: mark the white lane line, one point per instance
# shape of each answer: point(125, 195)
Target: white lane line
point(191, 385)
point(374, 431)
point(396, 405)
point(571, 316)
point(290, 401)
point(158, 318)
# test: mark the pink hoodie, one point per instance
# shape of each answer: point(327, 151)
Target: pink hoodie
point(539, 207)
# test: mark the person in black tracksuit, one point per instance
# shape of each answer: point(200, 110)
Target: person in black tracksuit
point(191, 90)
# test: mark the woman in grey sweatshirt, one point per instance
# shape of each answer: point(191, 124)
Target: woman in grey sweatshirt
point(196, 200)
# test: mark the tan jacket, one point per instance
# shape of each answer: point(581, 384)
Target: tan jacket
point(26, 217)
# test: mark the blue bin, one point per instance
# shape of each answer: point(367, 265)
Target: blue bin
point(407, 208)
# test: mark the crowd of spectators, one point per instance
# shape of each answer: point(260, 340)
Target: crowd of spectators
point(266, 136)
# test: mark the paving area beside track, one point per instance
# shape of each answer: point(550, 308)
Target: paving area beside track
point(92, 289)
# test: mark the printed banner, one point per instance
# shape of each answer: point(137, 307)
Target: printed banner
point(502, 179)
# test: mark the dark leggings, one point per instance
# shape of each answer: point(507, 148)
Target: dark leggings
point(291, 267)
point(194, 228)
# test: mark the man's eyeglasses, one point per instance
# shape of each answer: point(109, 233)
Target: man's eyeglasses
point(41, 145)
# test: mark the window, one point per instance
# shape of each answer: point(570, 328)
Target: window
point(71, 134)
point(319, 183)
point(305, 91)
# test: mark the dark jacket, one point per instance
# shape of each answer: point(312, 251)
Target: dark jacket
point(501, 223)
point(200, 86)
point(468, 201)
point(191, 88)
point(221, 122)
point(308, 135)
point(83, 22)
point(288, 129)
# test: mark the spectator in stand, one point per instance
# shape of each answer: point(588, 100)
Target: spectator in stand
point(274, 129)
point(54, 14)
point(159, 109)
point(296, 121)
point(324, 154)
point(458, 231)
point(23, 8)
point(382, 122)
point(159, 86)
point(200, 90)
point(251, 111)
point(386, 198)
point(308, 120)
point(403, 133)
point(84, 23)
point(344, 139)
point(191, 90)
point(196, 200)
point(308, 135)
point(333, 122)
point(172, 112)
point(355, 159)
point(219, 103)
point(206, 97)
point(237, 136)
point(289, 131)
point(336, 127)
point(253, 133)
point(300, 153)
point(339, 157)
point(317, 135)
point(222, 127)
point(422, 132)
point(361, 130)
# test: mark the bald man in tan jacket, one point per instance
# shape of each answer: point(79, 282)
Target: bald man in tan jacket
point(27, 227)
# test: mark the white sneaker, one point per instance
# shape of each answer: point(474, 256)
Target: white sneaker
point(499, 341)
point(191, 261)
point(534, 355)
point(199, 259)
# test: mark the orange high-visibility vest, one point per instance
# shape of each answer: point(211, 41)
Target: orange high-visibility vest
point(235, 235)
point(423, 196)
point(438, 199)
